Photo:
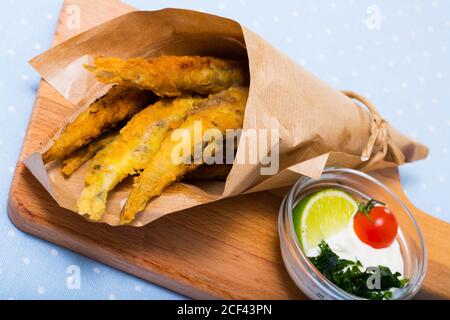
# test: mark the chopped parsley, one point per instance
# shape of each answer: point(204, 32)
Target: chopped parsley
point(350, 276)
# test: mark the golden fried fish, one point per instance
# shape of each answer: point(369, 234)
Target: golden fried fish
point(221, 111)
point(119, 104)
point(130, 152)
point(172, 75)
point(76, 159)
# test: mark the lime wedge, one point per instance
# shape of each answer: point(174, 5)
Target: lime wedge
point(321, 215)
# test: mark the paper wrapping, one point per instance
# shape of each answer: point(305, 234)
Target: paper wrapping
point(318, 125)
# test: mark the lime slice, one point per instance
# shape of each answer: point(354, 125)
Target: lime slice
point(321, 215)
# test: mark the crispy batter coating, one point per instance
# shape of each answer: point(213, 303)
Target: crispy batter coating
point(76, 159)
point(220, 111)
point(172, 75)
point(130, 152)
point(119, 104)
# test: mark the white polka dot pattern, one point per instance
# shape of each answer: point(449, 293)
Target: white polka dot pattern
point(396, 52)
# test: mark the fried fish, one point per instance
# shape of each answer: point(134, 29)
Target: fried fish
point(221, 111)
point(119, 104)
point(76, 159)
point(130, 152)
point(172, 75)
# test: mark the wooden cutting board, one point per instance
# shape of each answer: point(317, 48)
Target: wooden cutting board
point(228, 249)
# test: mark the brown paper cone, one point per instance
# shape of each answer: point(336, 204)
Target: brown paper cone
point(318, 125)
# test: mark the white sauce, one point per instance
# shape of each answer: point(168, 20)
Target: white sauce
point(347, 245)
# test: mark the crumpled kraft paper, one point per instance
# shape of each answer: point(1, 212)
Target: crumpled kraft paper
point(318, 125)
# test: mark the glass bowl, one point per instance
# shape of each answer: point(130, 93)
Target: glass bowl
point(363, 187)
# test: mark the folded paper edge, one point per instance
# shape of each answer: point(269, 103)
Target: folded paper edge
point(35, 164)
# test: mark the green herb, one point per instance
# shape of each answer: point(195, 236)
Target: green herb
point(366, 207)
point(350, 277)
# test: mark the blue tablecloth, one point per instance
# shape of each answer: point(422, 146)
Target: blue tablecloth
point(397, 53)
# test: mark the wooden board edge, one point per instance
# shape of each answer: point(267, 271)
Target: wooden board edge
point(19, 217)
point(19, 214)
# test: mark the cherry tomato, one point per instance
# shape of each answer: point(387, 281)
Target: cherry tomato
point(375, 225)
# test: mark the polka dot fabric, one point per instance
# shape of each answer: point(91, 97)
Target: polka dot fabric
point(394, 52)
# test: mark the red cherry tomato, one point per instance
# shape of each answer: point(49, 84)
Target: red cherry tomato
point(375, 225)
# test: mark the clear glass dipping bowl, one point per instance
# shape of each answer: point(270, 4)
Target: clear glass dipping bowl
point(361, 186)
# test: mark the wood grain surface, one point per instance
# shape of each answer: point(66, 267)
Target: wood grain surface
point(228, 249)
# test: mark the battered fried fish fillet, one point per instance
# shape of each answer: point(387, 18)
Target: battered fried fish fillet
point(76, 159)
point(221, 111)
point(119, 104)
point(130, 152)
point(172, 75)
